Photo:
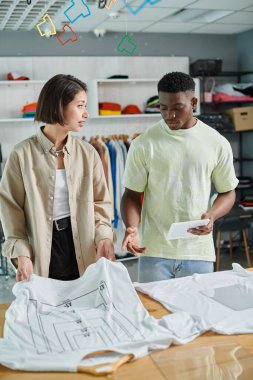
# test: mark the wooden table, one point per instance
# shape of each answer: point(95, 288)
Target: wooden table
point(209, 357)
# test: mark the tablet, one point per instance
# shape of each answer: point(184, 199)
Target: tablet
point(179, 230)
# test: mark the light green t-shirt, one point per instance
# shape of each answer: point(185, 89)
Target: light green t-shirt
point(175, 169)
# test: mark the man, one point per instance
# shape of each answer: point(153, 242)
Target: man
point(175, 163)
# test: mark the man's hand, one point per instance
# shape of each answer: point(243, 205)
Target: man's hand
point(131, 241)
point(25, 269)
point(204, 230)
point(105, 248)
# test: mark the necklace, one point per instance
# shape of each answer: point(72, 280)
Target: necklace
point(59, 152)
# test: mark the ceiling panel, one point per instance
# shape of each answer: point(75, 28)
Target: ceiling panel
point(119, 26)
point(221, 4)
point(163, 27)
point(148, 14)
point(222, 29)
point(166, 16)
point(238, 18)
point(163, 3)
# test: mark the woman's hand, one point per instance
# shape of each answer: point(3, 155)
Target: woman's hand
point(25, 269)
point(105, 248)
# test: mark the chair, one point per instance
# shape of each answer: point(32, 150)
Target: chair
point(231, 224)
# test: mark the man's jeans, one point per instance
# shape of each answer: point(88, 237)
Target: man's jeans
point(156, 269)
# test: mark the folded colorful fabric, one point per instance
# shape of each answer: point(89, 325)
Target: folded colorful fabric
point(222, 97)
point(28, 115)
point(30, 107)
point(108, 112)
point(109, 106)
point(153, 101)
point(152, 110)
point(131, 109)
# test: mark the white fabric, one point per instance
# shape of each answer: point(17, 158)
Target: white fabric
point(221, 301)
point(229, 89)
point(53, 324)
point(61, 195)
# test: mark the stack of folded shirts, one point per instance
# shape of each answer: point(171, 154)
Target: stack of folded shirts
point(153, 105)
point(107, 108)
point(29, 110)
point(230, 92)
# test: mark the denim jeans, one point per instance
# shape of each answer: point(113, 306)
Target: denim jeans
point(157, 269)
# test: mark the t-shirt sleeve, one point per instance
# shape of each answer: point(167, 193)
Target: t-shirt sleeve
point(136, 171)
point(223, 175)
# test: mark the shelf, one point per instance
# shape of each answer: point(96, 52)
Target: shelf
point(16, 119)
point(98, 117)
point(227, 102)
point(245, 159)
point(126, 91)
point(224, 74)
point(142, 115)
point(17, 82)
point(232, 73)
point(129, 80)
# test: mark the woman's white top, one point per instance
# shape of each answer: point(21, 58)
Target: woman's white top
point(61, 196)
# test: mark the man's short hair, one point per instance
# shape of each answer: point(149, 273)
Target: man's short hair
point(55, 95)
point(176, 82)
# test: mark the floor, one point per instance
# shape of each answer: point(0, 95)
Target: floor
point(7, 282)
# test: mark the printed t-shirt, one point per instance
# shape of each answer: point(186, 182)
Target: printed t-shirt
point(52, 324)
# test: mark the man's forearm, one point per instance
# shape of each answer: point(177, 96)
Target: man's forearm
point(223, 204)
point(130, 211)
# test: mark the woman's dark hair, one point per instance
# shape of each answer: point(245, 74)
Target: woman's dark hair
point(55, 95)
point(176, 82)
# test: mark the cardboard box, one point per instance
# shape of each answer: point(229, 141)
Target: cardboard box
point(242, 118)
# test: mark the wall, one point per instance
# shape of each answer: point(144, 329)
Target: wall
point(245, 50)
point(148, 44)
point(245, 63)
point(87, 69)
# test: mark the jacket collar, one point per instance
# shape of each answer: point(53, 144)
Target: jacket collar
point(48, 146)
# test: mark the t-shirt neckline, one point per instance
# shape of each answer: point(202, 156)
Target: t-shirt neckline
point(180, 132)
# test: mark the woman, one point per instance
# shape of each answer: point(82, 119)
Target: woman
point(54, 203)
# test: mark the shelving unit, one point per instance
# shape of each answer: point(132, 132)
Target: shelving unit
point(220, 106)
point(18, 82)
point(122, 91)
point(17, 119)
point(226, 74)
point(125, 92)
point(23, 92)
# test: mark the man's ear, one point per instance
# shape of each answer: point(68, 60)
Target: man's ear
point(194, 102)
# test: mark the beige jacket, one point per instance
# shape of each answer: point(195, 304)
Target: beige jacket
point(27, 197)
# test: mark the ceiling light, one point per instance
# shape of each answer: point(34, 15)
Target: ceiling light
point(197, 15)
point(212, 16)
point(186, 14)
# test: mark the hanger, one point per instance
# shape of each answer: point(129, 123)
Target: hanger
point(105, 368)
point(102, 4)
